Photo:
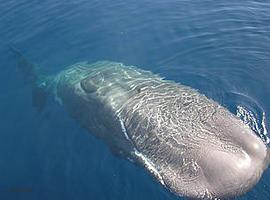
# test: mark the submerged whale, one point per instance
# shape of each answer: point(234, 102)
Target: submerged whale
point(192, 145)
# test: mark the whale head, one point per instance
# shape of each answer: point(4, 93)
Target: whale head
point(232, 174)
point(226, 164)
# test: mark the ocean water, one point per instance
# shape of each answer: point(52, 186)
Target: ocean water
point(221, 48)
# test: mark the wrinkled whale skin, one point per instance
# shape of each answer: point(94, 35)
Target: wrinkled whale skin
point(192, 145)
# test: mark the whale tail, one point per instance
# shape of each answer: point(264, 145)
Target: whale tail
point(33, 76)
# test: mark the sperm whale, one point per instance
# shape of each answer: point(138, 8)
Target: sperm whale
point(192, 145)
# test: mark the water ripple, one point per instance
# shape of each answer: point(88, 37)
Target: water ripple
point(221, 48)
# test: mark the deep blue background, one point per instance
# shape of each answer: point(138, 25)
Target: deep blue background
point(220, 47)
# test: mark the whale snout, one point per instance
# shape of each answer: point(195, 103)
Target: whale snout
point(256, 149)
point(230, 174)
point(224, 171)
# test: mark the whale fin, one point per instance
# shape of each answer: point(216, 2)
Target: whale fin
point(32, 76)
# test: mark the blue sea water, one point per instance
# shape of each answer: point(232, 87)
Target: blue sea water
point(221, 48)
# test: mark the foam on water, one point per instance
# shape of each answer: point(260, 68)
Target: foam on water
point(149, 165)
point(249, 118)
point(146, 162)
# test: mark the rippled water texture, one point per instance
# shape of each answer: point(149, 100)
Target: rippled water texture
point(222, 48)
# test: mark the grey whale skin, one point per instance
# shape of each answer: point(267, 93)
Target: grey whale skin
point(192, 145)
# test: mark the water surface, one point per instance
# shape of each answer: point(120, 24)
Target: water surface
point(221, 48)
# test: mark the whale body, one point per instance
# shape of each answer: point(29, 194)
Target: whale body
point(192, 145)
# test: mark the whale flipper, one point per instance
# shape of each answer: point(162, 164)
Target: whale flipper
point(33, 76)
point(39, 98)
